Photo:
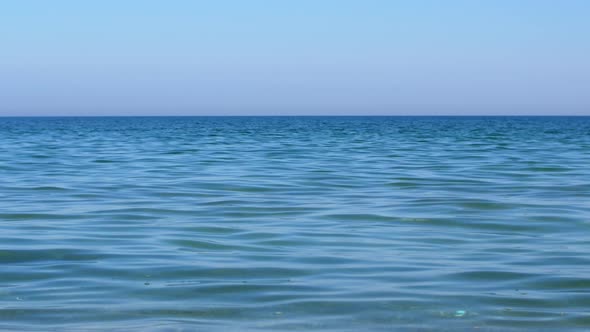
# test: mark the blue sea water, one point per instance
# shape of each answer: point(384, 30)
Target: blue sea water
point(295, 223)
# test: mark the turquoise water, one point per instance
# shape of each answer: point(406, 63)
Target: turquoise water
point(295, 223)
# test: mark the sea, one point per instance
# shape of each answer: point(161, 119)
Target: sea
point(295, 223)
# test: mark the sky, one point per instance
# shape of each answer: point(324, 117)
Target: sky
point(294, 57)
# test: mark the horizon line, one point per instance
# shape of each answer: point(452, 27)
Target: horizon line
point(293, 115)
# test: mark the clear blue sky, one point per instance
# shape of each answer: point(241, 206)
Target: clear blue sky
point(128, 57)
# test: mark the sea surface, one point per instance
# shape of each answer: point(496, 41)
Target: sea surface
point(295, 224)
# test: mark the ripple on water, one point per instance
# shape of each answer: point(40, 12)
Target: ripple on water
point(341, 224)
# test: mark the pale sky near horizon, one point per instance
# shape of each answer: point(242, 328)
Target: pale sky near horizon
point(308, 57)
